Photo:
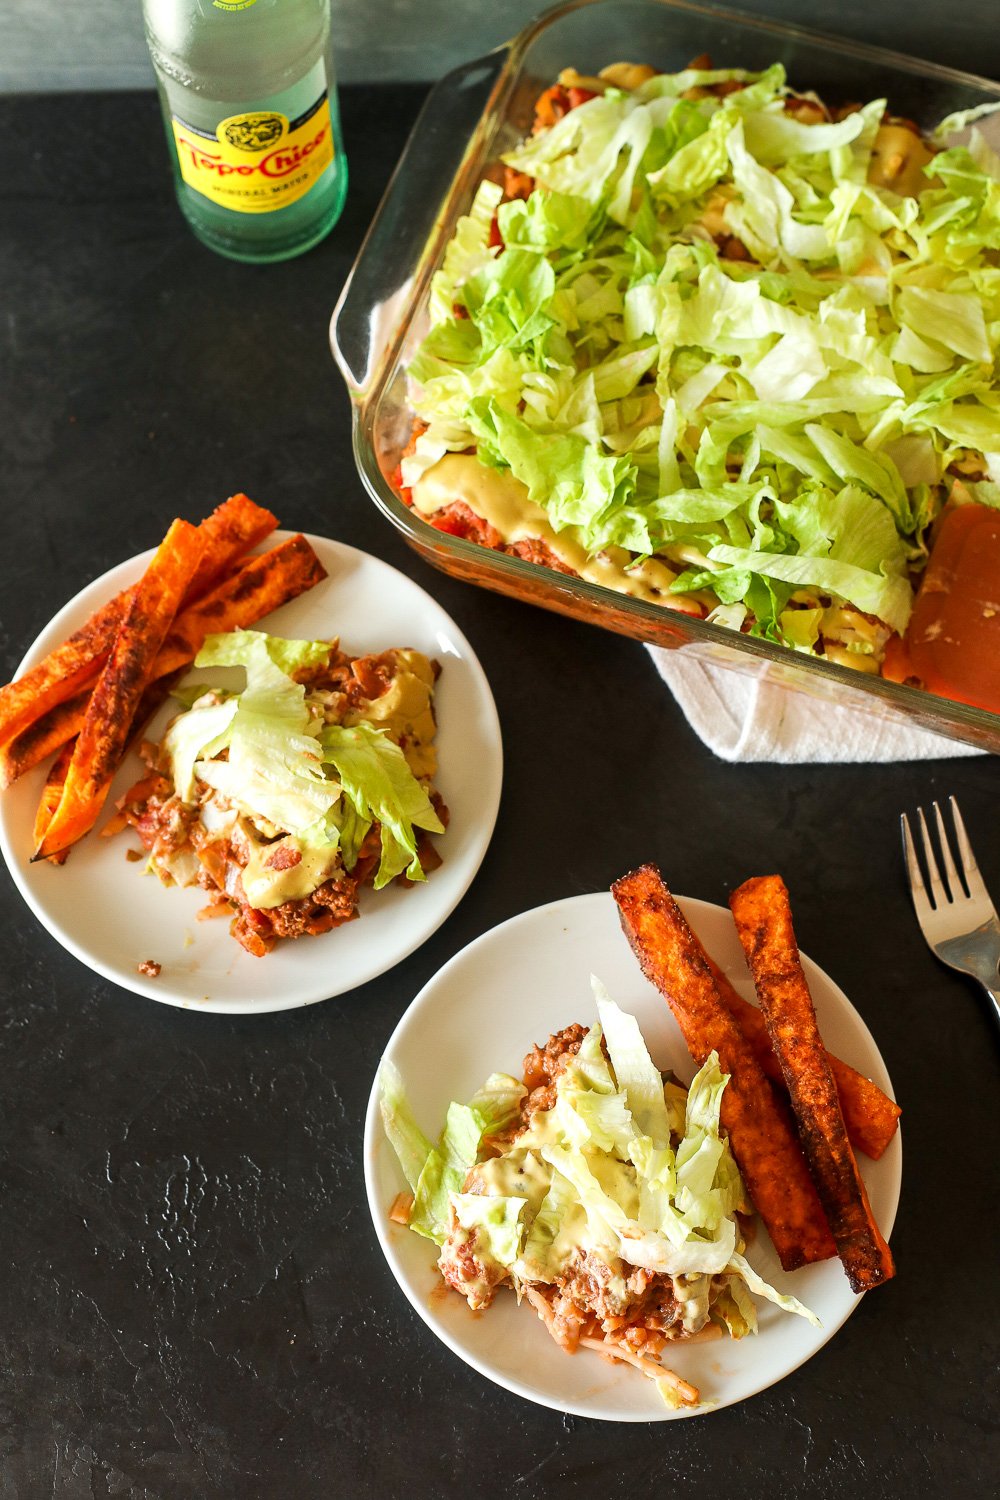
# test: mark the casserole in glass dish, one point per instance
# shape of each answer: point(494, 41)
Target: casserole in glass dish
point(475, 116)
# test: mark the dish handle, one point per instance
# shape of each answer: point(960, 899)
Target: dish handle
point(366, 317)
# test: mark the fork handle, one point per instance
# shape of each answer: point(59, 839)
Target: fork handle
point(995, 1001)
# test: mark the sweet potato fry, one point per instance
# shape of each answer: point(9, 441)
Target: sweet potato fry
point(260, 586)
point(230, 531)
point(108, 719)
point(67, 671)
point(62, 723)
point(764, 923)
point(761, 1132)
point(51, 797)
point(871, 1117)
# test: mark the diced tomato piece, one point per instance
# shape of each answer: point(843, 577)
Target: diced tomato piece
point(451, 525)
point(580, 96)
point(551, 106)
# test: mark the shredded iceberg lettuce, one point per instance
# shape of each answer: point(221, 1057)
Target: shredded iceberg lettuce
point(653, 389)
point(272, 769)
point(411, 1146)
point(375, 777)
point(437, 1173)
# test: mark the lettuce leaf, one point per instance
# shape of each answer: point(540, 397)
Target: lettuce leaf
point(635, 1073)
point(741, 1267)
point(890, 599)
point(199, 732)
point(575, 483)
point(548, 221)
point(497, 1224)
point(377, 780)
point(467, 251)
point(445, 1170)
point(954, 319)
point(274, 767)
point(411, 1146)
point(446, 1166)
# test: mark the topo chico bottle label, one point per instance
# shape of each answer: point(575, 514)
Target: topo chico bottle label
point(259, 160)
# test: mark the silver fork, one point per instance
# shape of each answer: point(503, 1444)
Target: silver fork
point(956, 916)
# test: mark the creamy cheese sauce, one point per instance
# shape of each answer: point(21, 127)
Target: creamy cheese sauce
point(518, 1174)
point(503, 501)
point(522, 1173)
point(405, 710)
point(898, 159)
point(266, 887)
point(692, 1292)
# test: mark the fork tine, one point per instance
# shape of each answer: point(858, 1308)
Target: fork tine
point(951, 874)
point(918, 890)
point(970, 869)
point(937, 892)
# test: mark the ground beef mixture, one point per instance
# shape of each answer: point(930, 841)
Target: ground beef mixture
point(640, 1309)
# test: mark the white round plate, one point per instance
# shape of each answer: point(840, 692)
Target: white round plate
point(111, 916)
point(514, 986)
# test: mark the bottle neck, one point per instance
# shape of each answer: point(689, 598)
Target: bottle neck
point(242, 57)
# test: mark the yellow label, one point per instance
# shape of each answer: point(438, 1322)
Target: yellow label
point(258, 161)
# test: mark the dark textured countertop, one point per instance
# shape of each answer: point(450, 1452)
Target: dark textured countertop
point(192, 1301)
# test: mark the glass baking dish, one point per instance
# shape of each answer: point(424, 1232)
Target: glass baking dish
point(471, 117)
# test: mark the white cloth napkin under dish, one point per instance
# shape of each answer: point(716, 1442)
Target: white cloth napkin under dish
point(741, 717)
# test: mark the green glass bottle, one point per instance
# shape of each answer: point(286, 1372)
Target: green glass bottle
point(250, 108)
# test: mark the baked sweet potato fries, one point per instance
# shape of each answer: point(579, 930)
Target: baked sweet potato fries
point(763, 918)
point(85, 699)
point(785, 1099)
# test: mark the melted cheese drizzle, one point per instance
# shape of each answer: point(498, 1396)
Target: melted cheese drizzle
point(503, 501)
point(405, 710)
point(898, 160)
point(266, 888)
